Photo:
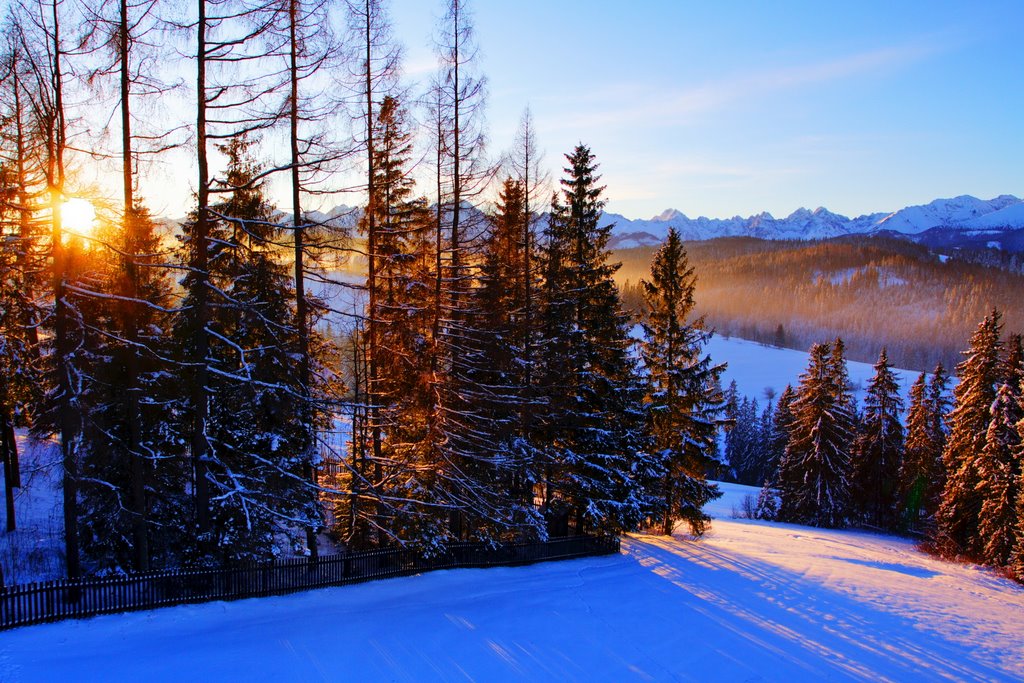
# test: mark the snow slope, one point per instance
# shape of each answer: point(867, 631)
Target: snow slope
point(756, 367)
point(752, 601)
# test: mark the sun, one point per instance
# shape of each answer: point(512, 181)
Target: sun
point(78, 216)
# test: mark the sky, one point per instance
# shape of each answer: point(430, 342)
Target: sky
point(729, 108)
point(733, 108)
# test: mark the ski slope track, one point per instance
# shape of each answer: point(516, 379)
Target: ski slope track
point(752, 601)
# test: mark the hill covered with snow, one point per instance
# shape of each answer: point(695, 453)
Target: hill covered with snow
point(757, 367)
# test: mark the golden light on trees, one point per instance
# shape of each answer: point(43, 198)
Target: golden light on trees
point(79, 216)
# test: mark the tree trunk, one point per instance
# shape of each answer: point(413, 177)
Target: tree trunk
point(199, 443)
point(301, 314)
point(373, 376)
point(9, 450)
point(66, 414)
point(29, 321)
point(140, 534)
point(666, 528)
point(456, 273)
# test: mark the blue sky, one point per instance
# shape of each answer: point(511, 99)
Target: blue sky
point(725, 108)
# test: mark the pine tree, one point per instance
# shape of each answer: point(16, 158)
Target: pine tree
point(920, 454)
point(957, 518)
point(1013, 366)
point(402, 312)
point(592, 423)
point(921, 472)
point(744, 446)
point(778, 473)
point(505, 367)
point(878, 449)
point(132, 493)
point(683, 400)
point(816, 482)
point(766, 463)
point(256, 467)
point(999, 480)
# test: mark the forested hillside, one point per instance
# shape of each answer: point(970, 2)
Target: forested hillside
point(871, 291)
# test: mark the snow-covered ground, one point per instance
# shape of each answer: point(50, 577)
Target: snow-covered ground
point(752, 601)
point(33, 552)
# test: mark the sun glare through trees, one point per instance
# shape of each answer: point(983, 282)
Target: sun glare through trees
point(79, 216)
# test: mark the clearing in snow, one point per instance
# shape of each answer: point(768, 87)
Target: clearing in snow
point(751, 601)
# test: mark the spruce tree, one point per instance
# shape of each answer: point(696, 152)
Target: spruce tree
point(921, 473)
point(132, 495)
point(921, 454)
point(1013, 364)
point(777, 468)
point(684, 403)
point(941, 402)
point(730, 414)
point(485, 386)
point(816, 481)
point(17, 350)
point(765, 460)
point(255, 471)
point(878, 450)
point(957, 518)
point(781, 424)
point(1017, 555)
point(505, 370)
point(842, 388)
point(592, 421)
point(743, 444)
point(999, 480)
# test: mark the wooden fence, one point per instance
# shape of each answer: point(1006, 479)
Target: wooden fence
point(35, 603)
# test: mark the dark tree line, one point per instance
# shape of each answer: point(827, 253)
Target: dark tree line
point(487, 385)
point(951, 471)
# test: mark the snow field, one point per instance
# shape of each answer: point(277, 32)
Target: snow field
point(752, 601)
point(755, 367)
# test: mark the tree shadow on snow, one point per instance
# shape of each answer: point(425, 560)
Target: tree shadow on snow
point(802, 629)
point(916, 572)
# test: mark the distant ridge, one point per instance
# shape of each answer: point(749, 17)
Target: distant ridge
point(949, 222)
point(965, 214)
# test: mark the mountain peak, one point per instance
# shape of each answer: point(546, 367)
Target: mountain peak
point(669, 215)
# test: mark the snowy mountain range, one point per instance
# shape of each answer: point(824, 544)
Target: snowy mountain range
point(953, 221)
point(965, 214)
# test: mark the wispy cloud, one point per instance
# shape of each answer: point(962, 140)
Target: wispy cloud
point(659, 105)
